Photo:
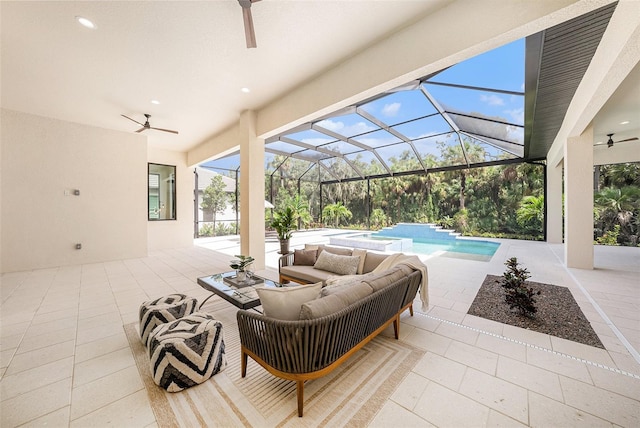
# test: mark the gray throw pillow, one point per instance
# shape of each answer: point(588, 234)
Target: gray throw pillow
point(341, 265)
point(304, 257)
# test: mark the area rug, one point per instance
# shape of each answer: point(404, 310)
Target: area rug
point(349, 396)
point(558, 314)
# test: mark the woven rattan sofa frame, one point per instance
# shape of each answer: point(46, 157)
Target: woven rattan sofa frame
point(309, 349)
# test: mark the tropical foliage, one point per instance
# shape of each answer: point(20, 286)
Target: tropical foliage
point(336, 212)
point(504, 201)
point(475, 201)
point(617, 204)
point(214, 198)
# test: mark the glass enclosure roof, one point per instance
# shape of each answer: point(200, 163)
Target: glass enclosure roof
point(470, 113)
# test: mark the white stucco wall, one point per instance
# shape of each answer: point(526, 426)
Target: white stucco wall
point(43, 161)
point(173, 233)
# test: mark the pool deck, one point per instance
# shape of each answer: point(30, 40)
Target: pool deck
point(65, 360)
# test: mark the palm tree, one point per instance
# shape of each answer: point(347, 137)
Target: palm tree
point(300, 209)
point(531, 212)
point(336, 212)
point(619, 206)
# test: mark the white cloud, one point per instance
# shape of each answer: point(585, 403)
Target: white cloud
point(316, 141)
point(516, 114)
point(342, 129)
point(391, 110)
point(492, 100)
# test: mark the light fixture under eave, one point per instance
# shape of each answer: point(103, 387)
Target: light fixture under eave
point(156, 102)
point(245, 90)
point(85, 22)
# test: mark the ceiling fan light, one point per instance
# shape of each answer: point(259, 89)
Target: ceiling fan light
point(625, 122)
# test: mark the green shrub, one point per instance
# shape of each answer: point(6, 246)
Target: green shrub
point(207, 230)
point(610, 237)
point(518, 296)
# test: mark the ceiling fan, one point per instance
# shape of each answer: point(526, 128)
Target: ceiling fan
point(249, 33)
point(610, 142)
point(146, 124)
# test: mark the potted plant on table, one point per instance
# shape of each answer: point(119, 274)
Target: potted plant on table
point(240, 265)
point(284, 224)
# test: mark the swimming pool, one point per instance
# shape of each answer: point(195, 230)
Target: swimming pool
point(422, 238)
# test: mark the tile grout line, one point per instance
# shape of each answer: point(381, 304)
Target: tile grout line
point(529, 345)
point(607, 320)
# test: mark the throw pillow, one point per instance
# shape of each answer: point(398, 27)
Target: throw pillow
point(342, 265)
point(304, 257)
point(334, 250)
point(362, 254)
point(284, 303)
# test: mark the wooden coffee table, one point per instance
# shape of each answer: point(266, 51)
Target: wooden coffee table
point(244, 297)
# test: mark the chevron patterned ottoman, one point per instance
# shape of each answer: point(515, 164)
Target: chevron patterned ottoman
point(162, 310)
point(186, 352)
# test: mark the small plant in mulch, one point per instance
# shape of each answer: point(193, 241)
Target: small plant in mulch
point(517, 295)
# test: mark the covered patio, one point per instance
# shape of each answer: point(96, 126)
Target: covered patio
point(65, 358)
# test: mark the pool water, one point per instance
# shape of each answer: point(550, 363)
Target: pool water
point(421, 238)
point(457, 248)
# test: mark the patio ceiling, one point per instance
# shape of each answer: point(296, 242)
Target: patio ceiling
point(459, 117)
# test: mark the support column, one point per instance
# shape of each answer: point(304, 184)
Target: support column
point(251, 190)
point(554, 204)
point(578, 200)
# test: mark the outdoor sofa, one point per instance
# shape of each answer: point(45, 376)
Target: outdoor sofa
point(330, 327)
point(300, 266)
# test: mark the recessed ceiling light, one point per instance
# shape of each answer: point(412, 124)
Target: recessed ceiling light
point(624, 123)
point(245, 90)
point(156, 102)
point(86, 22)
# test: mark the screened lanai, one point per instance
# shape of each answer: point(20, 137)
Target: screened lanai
point(501, 107)
point(414, 127)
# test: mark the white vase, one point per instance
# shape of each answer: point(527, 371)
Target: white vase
point(241, 275)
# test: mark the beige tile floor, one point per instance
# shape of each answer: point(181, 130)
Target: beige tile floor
point(65, 361)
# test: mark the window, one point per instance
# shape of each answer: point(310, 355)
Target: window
point(162, 192)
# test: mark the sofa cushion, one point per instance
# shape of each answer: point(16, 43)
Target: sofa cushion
point(336, 283)
point(306, 273)
point(284, 302)
point(383, 279)
point(353, 293)
point(311, 247)
point(304, 257)
point(334, 250)
point(321, 307)
point(342, 265)
point(372, 260)
point(362, 254)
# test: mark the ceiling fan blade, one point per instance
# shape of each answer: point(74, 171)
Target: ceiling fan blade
point(165, 130)
point(628, 139)
point(141, 129)
point(249, 32)
point(133, 120)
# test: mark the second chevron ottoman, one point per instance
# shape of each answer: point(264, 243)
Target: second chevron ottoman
point(186, 352)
